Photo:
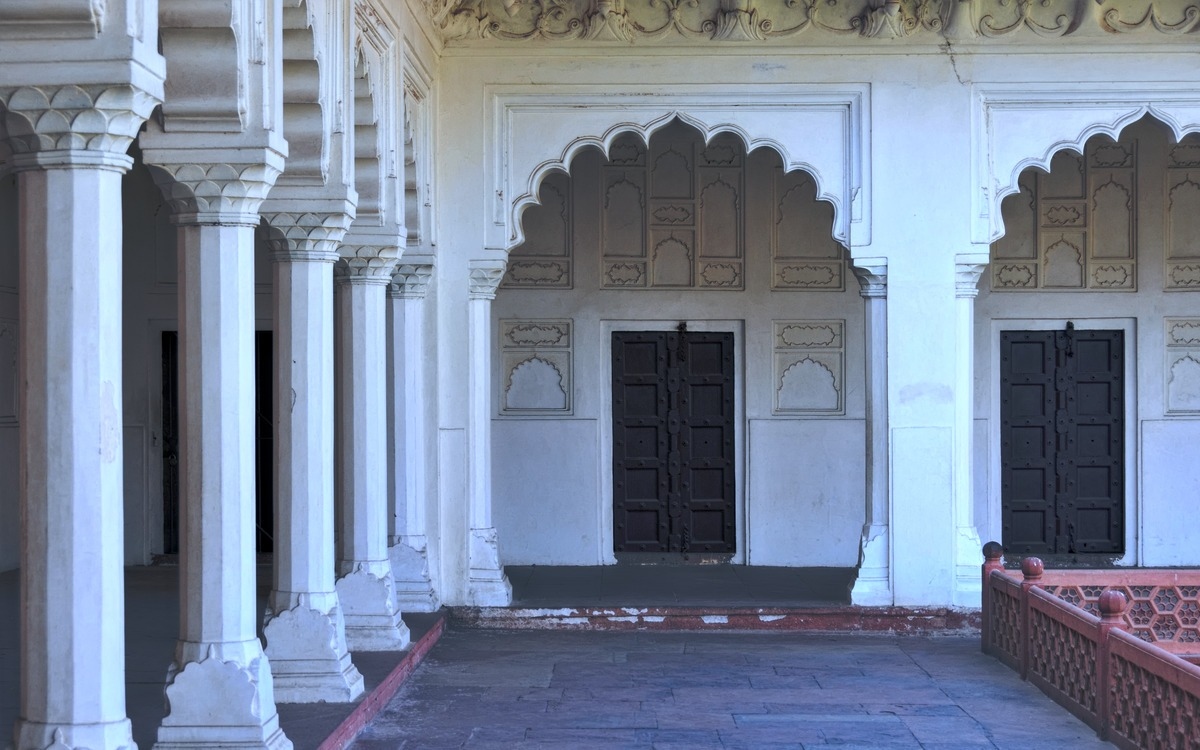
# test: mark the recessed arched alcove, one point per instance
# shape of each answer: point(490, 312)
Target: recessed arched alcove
point(1084, 346)
point(640, 235)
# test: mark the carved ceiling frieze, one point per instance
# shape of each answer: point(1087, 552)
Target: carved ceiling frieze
point(630, 21)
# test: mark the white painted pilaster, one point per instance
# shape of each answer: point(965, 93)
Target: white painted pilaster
point(407, 402)
point(487, 584)
point(365, 585)
point(873, 587)
point(967, 545)
point(219, 690)
point(304, 629)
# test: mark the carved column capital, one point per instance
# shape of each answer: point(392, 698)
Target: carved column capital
point(65, 126)
point(485, 278)
point(366, 262)
point(966, 278)
point(306, 236)
point(872, 279)
point(410, 280)
point(214, 192)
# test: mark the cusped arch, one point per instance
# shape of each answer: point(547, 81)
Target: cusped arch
point(605, 142)
point(827, 125)
point(1020, 130)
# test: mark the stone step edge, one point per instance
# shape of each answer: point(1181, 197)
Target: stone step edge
point(848, 619)
point(370, 706)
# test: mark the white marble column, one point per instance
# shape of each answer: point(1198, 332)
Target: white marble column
point(219, 690)
point(364, 585)
point(407, 403)
point(304, 628)
point(873, 587)
point(72, 610)
point(968, 554)
point(488, 586)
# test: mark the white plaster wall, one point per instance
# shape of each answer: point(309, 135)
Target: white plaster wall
point(807, 480)
point(1169, 488)
point(549, 491)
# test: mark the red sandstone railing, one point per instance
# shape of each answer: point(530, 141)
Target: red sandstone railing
point(1119, 668)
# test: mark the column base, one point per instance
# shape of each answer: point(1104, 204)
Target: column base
point(487, 585)
point(968, 558)
point(873, 587)
point(372, 619)
point(410, 573)
point(112, 735)
point(309, 660)
point(221, 704)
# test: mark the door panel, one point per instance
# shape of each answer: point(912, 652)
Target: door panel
point(1062, 441)
point(673, 442)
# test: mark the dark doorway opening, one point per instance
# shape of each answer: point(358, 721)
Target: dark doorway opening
point(264, 435)
point(673, 445)
point(1062, 444)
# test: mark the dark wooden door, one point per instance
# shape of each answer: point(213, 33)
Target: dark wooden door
point(673, 448)
point(1062, 444)
point(264, 436)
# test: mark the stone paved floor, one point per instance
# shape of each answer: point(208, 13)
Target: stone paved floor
point(694, 691)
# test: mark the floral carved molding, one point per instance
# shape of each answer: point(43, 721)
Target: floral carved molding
point(630, 21)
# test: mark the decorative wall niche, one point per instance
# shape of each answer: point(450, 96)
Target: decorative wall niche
point(1182, 369)
point(672, 215)
point(1073, 228)
point(809, 367)
point(803, 254)
point(536, 362)
point(544, 259)
point(1183, 215)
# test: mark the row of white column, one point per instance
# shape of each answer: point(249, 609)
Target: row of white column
point(222, 687)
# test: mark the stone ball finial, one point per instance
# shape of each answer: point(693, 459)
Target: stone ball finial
point(1032, 567)
point(993, 551)
point(1112, 603)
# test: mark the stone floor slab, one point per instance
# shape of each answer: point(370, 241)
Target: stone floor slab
point(760, 691)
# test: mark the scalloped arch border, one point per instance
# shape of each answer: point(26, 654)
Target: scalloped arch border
point(1067, 119)
point(847, 190)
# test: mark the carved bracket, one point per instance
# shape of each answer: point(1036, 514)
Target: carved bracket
point(102, 118)
point(411, 280)
point(306, 236)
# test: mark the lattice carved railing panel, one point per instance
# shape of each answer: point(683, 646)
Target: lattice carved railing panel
point(1146, 708)
point(1168, 616)
point(1005, 609)
point(1064, 657)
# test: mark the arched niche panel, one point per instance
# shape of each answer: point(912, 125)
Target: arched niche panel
point(1015, 129)
point(821, 130)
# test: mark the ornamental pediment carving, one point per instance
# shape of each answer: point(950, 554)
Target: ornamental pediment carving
point(647, 21)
